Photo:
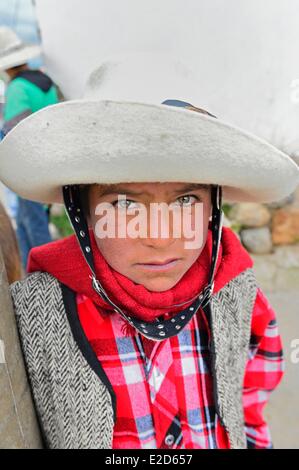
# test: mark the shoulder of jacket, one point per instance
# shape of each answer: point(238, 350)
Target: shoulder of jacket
point(37, 288)
point(241, 289)
point(247, 276)
point(243, 280)
point(17, 84)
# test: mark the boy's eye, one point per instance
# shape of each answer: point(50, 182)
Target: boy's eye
point(187, 200)
point(125, 204)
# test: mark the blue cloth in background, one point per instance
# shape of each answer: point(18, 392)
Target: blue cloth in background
point(32, 227)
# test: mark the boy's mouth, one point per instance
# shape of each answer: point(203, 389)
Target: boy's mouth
point(159, 265)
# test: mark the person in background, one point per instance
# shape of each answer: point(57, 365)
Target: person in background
point(27, 92)
point(11, 199)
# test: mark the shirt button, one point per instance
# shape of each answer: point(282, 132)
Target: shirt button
point(169, 440)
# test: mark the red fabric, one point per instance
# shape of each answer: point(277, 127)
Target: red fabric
point(168, 385)
point(264, 371)
point(64, 260)
point(161, 387)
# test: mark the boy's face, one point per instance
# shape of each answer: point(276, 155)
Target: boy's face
point(150, 259)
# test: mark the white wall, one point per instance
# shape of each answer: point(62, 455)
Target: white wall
point(246, 52)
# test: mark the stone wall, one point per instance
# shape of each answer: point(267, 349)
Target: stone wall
point(264, 227)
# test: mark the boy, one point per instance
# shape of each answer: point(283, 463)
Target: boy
point(133, 339)
point(27, 91)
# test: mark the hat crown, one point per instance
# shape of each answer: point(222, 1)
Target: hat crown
point(147, 78)
point(8, 40)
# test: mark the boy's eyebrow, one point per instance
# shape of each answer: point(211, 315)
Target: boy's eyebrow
point(192, 187)
point(122, 190)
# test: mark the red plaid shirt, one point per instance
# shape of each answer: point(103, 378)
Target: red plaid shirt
point(164, 390)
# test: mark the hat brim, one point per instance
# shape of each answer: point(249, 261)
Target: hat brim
point(20, 57)
point(85, 142)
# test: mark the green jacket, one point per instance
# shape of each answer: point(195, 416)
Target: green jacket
point(28, 92)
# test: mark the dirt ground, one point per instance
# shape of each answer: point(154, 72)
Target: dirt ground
point(282, 412)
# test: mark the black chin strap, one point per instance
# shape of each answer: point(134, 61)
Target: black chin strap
point(159, 329)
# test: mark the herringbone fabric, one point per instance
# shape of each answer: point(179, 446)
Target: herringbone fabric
point(73, 405)
point(231, 321)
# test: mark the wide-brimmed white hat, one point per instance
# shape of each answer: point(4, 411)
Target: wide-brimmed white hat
point(13, 51)
point(121, 132)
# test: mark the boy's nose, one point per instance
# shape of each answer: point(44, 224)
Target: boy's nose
point(157, 242)
point(158, 238)
point(161, 231)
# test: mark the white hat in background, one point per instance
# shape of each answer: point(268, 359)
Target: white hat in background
point(13, 51)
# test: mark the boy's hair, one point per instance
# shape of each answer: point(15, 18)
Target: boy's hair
point(84, 195)
point(84, 198)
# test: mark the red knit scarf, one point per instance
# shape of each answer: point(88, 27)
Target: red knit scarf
point(64, 260)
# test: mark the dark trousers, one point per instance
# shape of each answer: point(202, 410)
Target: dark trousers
point(32, 227)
